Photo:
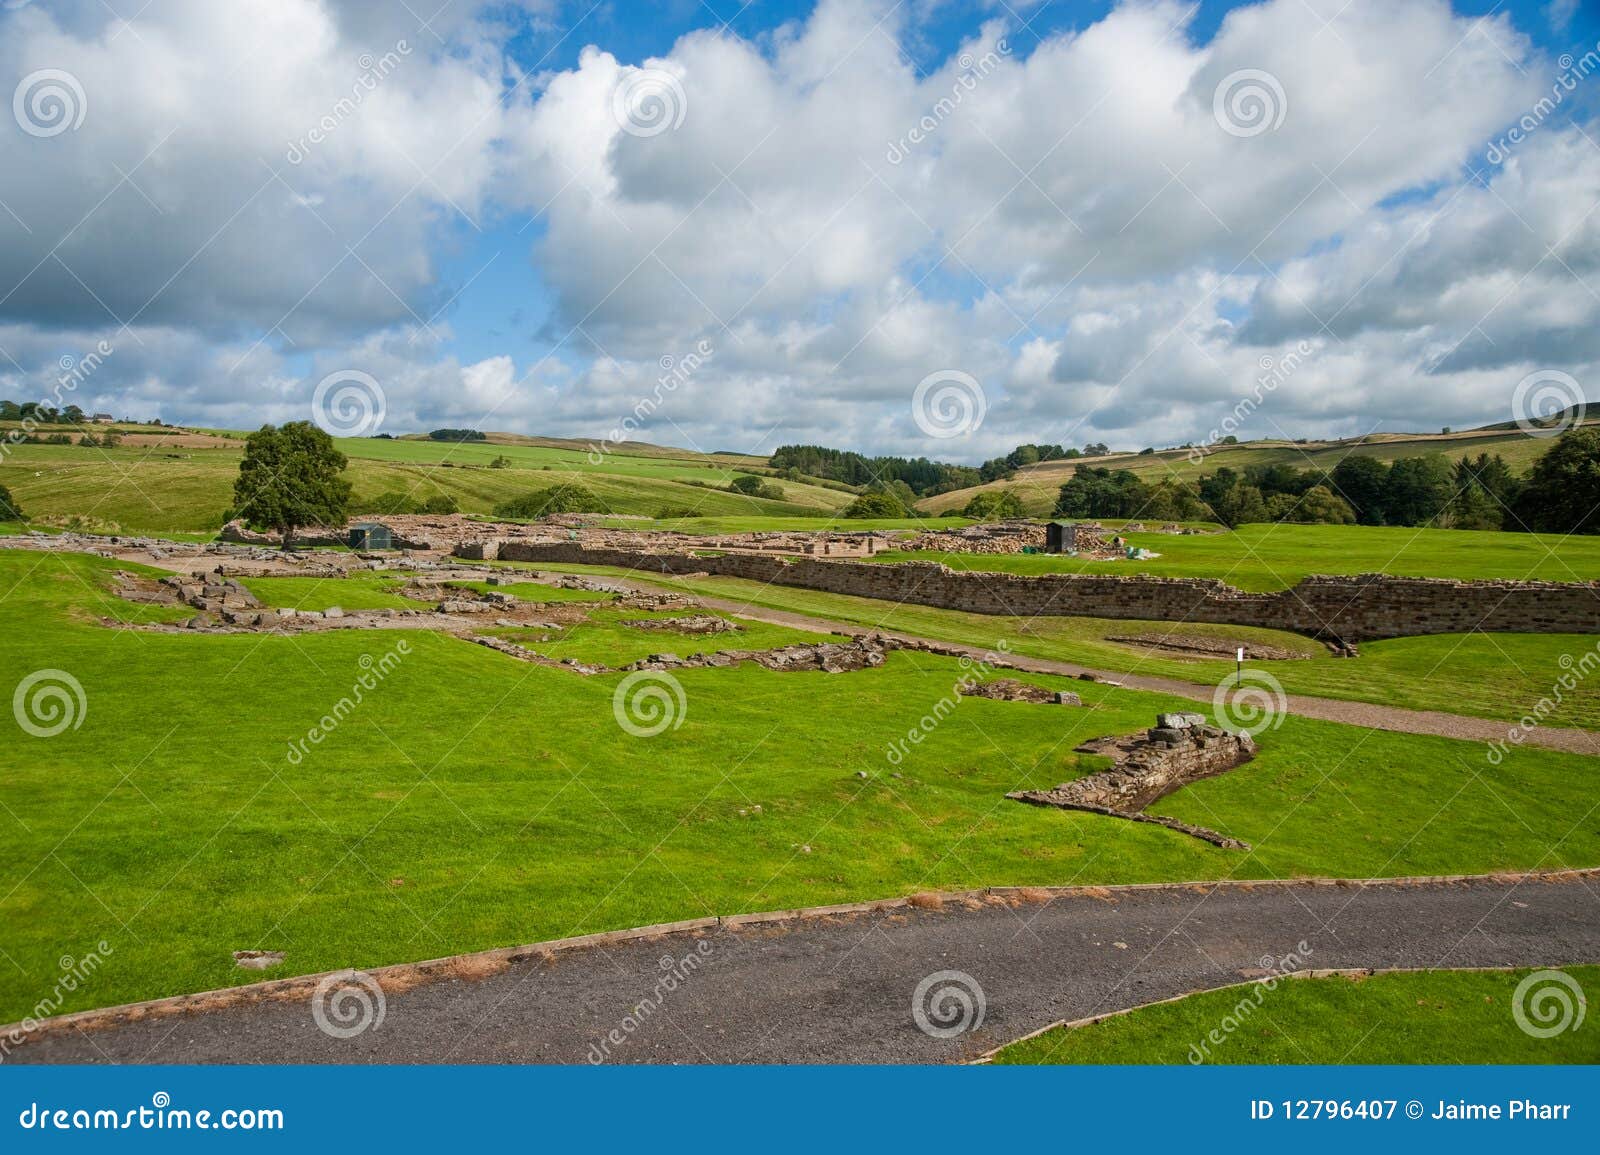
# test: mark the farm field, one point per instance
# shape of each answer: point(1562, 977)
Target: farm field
point(474, 801)
point(1498, 676)
point(1438, 1016)
point(1274, 556)
point(150, 490)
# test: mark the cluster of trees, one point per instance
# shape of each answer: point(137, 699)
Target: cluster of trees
point(1001, 468)
point(456, 435)
point(919, 476)
point(9, 509)
point(876, 503)
point(992, 505)
point(1100, 492)
point(922, 477)
point(750, 485)
point(393, 502)
point(568, 498)
point(1561, 494)
point(41, 414)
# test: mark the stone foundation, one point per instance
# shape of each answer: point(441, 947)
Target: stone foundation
point(1365, 607)
point(1178, 750)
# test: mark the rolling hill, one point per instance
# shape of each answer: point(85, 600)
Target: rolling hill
point(172, 480)
point(1037, 485)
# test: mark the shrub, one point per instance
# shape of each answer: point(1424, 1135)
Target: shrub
point(570, 498)
point(441, 503)
point(9, 509)
point(875, 504)
point(993, 505)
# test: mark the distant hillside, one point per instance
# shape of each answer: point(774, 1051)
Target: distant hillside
point(1037, 485)
point(180, 481)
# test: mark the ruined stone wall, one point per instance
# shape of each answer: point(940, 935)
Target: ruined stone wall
point(1354, 609)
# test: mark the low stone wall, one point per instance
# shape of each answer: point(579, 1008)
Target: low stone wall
point(1354, 609)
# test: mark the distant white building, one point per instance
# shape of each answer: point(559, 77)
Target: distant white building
point(102, 419)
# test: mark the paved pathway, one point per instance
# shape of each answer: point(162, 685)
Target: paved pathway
point(1371, 715)
point(840, 989)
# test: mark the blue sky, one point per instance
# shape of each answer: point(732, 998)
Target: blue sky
point(1080, 229)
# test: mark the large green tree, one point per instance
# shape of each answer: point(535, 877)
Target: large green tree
point(1563, 491)
point(9, 509)
point(289, 479)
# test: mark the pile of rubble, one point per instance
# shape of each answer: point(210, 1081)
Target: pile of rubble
point(829, 657)
point(695, 624)
point(993, 537)
point(1178, 750)
point(1011, 690)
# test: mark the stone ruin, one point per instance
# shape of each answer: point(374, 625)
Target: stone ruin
point(1011, 690)
point(1177, 750)
point(694, 624)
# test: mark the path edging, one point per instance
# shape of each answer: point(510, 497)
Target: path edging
point(1317, 973)
point(403, 976)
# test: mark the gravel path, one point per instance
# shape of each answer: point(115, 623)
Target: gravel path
point(841, 989)
point(1375, 717)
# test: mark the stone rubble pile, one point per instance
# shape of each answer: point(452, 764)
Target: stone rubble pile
point(1011, 690)
point(1177, 750)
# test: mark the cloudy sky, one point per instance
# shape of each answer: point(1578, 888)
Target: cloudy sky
point(1088, 221)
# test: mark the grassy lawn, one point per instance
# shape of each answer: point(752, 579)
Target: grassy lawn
point(1424, 1017)
point(605, 640)
point(472, 801)
point(1276, 556)
point(362, 592)
point(1498, 676)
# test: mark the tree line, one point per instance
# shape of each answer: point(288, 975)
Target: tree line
point(1560, 494)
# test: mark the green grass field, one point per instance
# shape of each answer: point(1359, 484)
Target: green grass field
point(1273, 556)
point(472, 801)
point(1424, 1017)
point(1498, 676)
